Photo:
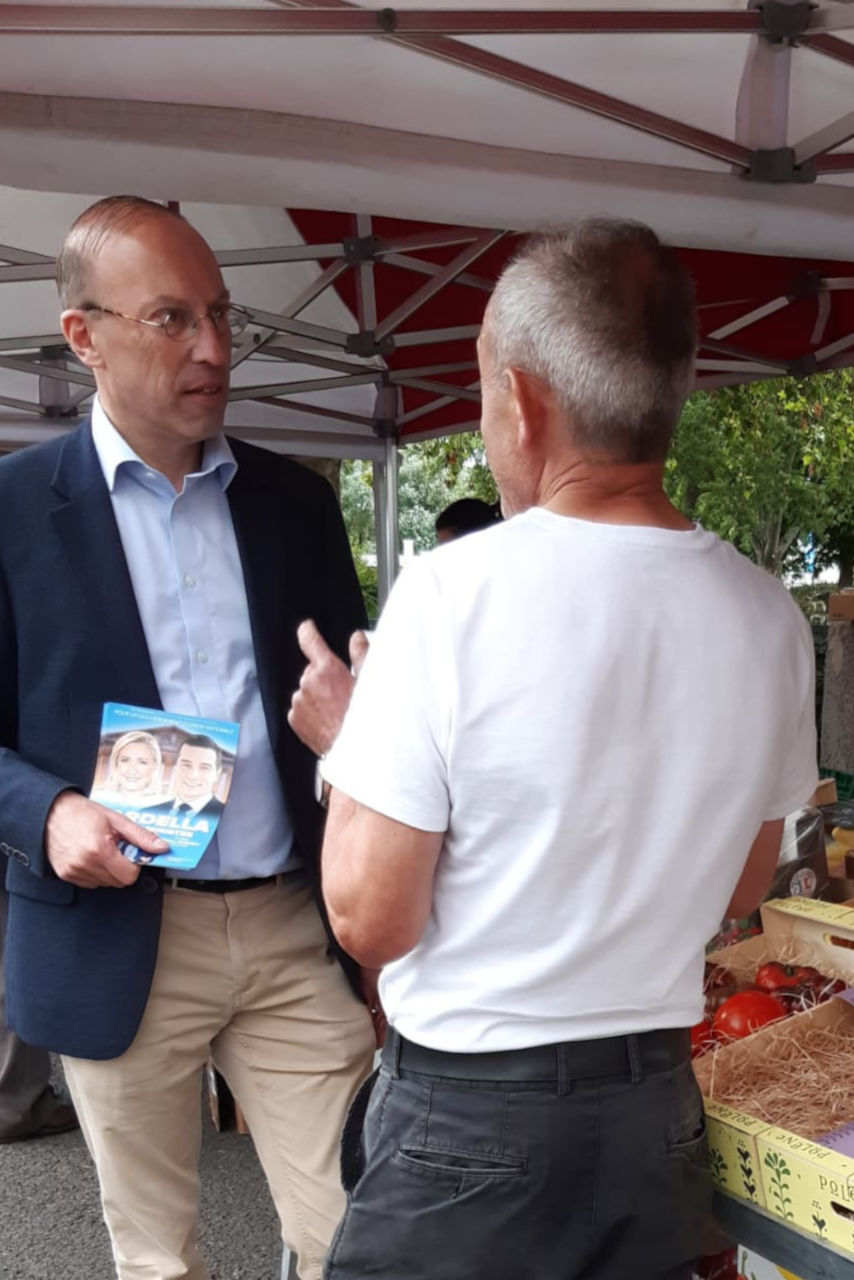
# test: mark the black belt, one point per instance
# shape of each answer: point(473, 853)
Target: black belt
point(220, 886)
point(620, 1056)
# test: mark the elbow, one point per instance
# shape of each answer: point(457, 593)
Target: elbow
point(743, 903)
point(369, 947)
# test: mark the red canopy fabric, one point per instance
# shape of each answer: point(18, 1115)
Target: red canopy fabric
point(760, 316)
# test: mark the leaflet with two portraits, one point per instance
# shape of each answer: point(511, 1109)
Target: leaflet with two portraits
point(170, 773)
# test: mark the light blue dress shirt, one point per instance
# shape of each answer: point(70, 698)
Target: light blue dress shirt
point(187, 577)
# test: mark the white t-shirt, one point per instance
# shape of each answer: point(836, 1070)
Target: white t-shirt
point(600, 717)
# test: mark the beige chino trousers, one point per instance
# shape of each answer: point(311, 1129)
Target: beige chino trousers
point(247, 978)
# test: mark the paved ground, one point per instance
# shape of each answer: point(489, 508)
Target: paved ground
point(50, 1216)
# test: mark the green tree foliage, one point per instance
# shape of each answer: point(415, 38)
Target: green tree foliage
point(433, 473)
point(769, 465)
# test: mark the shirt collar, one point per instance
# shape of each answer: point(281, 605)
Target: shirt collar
point(114, 452)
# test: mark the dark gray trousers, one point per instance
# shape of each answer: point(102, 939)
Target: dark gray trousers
point(24, 1071)
point(598, 1178)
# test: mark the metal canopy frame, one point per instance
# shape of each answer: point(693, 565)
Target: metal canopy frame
point(364, 356)
point(785, 24)
point(361, 356)
point(275, 362)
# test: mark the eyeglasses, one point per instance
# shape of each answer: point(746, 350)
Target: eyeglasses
point(181, 325)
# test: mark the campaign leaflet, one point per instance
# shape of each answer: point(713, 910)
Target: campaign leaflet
point(169, 773)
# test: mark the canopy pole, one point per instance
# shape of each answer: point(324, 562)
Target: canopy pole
point(386, 510)
point(388, 554)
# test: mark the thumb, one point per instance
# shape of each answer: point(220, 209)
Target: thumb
point(358, 650)
point(311, 642)
point(135, 834)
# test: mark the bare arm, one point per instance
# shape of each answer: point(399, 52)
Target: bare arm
point(758, 870)
point(377, 877)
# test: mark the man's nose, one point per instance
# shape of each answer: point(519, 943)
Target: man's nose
point(210, 344)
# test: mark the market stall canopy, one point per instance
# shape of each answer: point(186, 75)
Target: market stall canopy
point(436, 135)
point(363, 329)
point(724, 125)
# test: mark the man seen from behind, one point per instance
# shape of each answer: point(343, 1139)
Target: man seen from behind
point(568, 754)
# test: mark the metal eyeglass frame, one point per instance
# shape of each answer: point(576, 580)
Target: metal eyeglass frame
point(236, 320)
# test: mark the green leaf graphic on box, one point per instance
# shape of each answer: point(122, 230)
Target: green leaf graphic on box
point(748, 1174)
point(779, 1187)
point(718, 1166)
point(820, 1224)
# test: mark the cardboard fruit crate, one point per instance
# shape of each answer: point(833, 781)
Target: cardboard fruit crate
point(806, 929)
point(801, 1181)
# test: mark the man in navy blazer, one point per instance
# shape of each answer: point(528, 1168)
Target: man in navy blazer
point(144, 559)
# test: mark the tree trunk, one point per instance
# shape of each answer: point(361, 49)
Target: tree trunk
point(846, 562)
point(329, 468)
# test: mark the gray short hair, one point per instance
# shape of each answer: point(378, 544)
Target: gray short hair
point(87, 235)
point(604, 314)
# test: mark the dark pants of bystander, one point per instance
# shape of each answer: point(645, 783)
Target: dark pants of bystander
point(581, 1161)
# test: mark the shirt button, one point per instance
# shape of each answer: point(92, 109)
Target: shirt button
point(148, 884)
point(149, 475)
point(189, 580)
point(202, 656)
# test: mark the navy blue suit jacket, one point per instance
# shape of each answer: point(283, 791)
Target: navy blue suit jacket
point(79, 962)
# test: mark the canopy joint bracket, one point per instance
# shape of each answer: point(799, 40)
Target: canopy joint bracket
point(777, 164)
point(365, 345)
point(387, 21)
point(783, 20)
point(360, 248)
point(803, 367)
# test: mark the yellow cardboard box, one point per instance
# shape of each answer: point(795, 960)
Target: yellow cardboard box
point(802, 1182)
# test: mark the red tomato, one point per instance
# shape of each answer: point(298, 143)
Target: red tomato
point(716, 976)
point(746, 1012)
point(828, 987)
point(778, 977)
point(702, 1037)
point(807, 976)
point(798, 999)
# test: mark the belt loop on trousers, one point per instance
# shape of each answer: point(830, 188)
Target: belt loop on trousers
point(391, 1053)
point(564, 1076)
point(635, 1062)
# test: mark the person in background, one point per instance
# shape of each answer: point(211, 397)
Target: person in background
point(29, 1106)
point(552, 716)
point(147, 559)
point(464, 516)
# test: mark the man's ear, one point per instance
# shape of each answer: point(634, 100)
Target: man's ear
point(531, 401)
point(79, 332)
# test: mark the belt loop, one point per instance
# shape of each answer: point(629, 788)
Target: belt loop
point(564, 1077)
point(391, 1052)
point(635, 1061)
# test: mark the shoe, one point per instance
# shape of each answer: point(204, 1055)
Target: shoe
point(61, 1118)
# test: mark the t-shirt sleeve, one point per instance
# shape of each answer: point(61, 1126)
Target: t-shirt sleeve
point(798, 775)
point(391, 753)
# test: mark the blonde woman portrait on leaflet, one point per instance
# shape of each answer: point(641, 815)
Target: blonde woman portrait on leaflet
point(136, 767)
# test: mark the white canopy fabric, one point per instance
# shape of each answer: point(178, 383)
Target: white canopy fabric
point(723, 125)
